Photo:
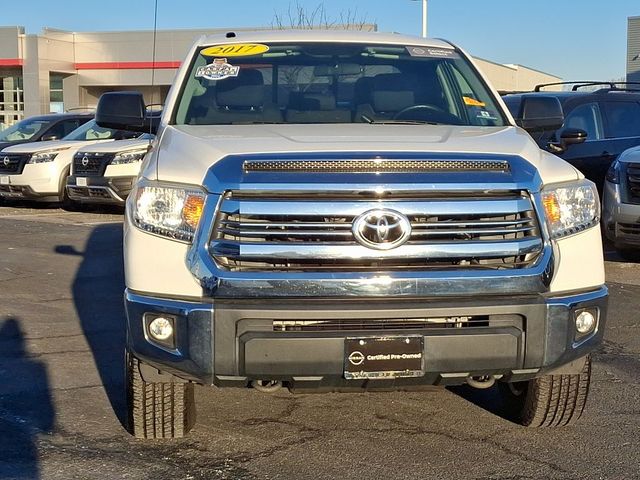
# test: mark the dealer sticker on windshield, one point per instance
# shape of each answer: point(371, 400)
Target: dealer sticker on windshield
point(430, 52)
point(218, 70)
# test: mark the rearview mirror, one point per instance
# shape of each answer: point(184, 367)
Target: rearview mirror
point(124, 111)
point(539, 113)
point(51, 136)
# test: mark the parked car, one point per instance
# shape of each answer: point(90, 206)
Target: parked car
point(609, 116)
point(106, 172)
point(329, 210)
point(621, 204)
point(41, 128)
point(38, 171)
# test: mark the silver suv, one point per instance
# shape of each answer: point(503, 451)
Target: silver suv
point(621, 204)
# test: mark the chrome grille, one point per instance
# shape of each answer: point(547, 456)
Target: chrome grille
point(96, 163)
point(374, 165)
point(13, 162)
point(629, 228)
point(309, 233)
point(633, 181)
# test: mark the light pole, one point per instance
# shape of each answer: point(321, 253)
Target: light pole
point(424, 17)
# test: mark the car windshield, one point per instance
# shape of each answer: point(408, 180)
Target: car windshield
point(91, 131)
point(334, 83)
point(23, 130)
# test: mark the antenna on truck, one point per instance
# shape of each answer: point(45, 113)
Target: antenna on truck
point(153, 60)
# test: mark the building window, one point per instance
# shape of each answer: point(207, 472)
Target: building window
point(56, 98)
point(11, 100)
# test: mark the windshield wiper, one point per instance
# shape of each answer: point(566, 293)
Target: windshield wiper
point(398, 122)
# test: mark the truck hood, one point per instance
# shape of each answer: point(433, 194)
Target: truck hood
point(187, 152)
point(35, 147)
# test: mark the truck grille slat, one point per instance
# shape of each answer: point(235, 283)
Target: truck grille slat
point(301, 234)
point(270, 209)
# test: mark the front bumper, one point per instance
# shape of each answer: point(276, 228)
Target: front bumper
point(231, 342)
point(112, 190)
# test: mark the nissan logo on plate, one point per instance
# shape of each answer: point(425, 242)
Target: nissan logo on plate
point(85, 161)
point(381, 229)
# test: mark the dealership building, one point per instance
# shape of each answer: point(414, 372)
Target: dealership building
point(633, 49)
point(58, 70)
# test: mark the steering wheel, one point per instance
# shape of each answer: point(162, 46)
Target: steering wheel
point(427, 113)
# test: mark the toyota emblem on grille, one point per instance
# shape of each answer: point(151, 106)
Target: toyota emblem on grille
point(85, 161)
point(6, 161)
point(381, 229)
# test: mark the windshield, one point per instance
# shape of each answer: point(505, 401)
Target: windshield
point(91, 131)
point(23, 130)
point(333, 83)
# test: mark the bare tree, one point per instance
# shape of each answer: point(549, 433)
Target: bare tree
point(298, 16)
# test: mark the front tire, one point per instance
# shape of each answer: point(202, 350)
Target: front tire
point(157, 409)
point(550, 400)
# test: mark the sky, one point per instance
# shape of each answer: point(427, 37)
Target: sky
point(574, 39)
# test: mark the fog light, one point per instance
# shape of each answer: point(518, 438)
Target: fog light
point(585, 322)
point(161, 328)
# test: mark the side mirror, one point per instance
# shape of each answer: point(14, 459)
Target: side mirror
point(124, 111)
point(539, 113)
point(568, 136)
point(51, 136)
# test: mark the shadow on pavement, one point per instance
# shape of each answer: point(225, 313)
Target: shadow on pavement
point(98, 297)
point(26, 407)
point(489, 400)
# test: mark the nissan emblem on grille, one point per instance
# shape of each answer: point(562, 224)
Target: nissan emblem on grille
point(85, 161)
point(6, 161)
point(381, 229)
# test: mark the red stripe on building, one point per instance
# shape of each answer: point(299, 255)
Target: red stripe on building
point(11, 62)
point(125, 65)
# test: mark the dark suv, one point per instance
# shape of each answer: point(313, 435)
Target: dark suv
point(52, 126)
point(610, 117)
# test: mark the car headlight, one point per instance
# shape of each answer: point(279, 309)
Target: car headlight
point(132, 156)
point(571, 207)
point(169, 211)
point(613, 174)
point(46, 156)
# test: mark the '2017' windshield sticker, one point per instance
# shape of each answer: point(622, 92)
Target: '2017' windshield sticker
point(218, 70)
point(430, 52)
point(235, 50)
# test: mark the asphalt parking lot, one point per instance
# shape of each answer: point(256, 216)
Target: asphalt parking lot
point(61, 337)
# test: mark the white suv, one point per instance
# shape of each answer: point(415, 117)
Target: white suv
point(106, 172)
point(39, 170)
point(330, 210)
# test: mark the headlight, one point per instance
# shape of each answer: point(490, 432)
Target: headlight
point(613, 174)
point(132, 156)
point(44, 157)
point(571, 207)
point(171, 212)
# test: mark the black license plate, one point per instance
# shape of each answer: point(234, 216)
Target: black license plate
point(384, 357)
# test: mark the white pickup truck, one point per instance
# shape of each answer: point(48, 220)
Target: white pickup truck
point(327, 210)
